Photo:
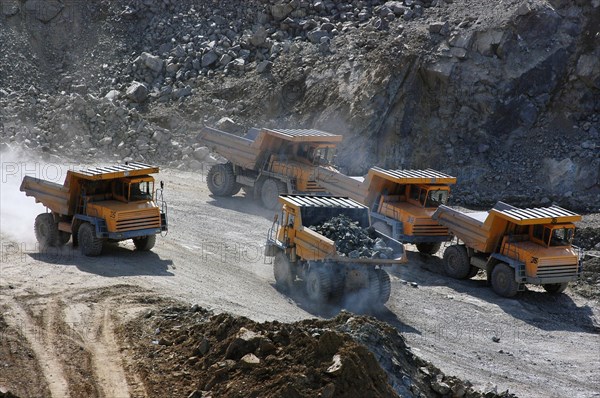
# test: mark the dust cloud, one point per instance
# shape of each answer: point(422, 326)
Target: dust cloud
point(17, 211)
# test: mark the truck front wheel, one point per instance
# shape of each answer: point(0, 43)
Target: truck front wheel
point(144, 243)
point(89, 244)
point(429, 247)
point(270, 191)
point(318, 285)
point(555, 288)
point(46, 230)
point(503, 280)
point(456, 262)
point(379, 287)
point(282, 270)
point(221, 180)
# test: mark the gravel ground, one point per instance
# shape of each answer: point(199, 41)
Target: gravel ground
point(212, 256)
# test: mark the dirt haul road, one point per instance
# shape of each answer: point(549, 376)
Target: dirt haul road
point(66, 306)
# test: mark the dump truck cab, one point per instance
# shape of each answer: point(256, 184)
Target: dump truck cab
point(513, 246)
point(95, 205)
point(303, 253)
point(269, 162)
point(403, 201)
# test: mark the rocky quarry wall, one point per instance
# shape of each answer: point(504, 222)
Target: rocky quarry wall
point(504, 95)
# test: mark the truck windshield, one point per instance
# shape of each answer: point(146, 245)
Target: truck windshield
point(141, 191)
point(436, 198)
point(324, 155)
point(561, 237)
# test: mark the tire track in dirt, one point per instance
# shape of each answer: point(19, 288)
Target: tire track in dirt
point(43, 348)
point(108, 365)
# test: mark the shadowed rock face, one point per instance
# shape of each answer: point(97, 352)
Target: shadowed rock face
point(503, 95)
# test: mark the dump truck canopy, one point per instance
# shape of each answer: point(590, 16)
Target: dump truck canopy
point(304, 135)
point(529, 216)
point(320, 201)
point(131, 169)
point(427, 176)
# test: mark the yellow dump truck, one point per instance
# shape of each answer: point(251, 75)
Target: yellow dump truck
point(99, 204)
point(401, 202)
point(513, 246)
point(302, 252)
point(268, 162)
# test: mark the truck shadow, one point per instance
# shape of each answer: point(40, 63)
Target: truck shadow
point(352, 305)
point(114, 261)
point(535, 307)
point(243, 204)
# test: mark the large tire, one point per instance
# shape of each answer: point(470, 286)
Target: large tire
point(282, 271)
point(429, 247)
point(221, 180)
point(555, 288)
point(270, 191)
point(88, 243)
point(383, 227)
point(503, 280)
point(456, 262)
point(379, 287)
point(318, 285)
point(144, 243)
point(46, 230)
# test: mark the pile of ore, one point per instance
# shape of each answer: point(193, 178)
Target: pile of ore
point(352, 240)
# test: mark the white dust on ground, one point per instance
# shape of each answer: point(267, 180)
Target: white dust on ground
point(18, 211)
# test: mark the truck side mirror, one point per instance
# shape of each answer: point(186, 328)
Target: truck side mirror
point(275, 218)
point(162, 184)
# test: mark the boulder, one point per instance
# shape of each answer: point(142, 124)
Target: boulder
point(10, 7)
point(137, 92)
point(201, 153)
point(112, 95)
point(152, 62)
point(281, 11)
point(264, 66)
point(209, 58)
point(588, 70)
point(44, 10)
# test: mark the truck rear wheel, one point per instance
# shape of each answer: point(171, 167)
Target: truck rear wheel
point(282, 270)
point(503, 280)
point(555, 288)
point(89, 244)
point(46, 230)
point(221, 180)
point(379, 287)
point(318, 285)
point(144, 243)
point(429, 247)
point(270, 191)
point(456, 262)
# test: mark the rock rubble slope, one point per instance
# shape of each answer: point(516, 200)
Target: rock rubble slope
point(502, 94)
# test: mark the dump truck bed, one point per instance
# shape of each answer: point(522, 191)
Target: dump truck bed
point(52, 195)
point(317, 209)
point(62, 199)
point(339, 184)
point(250, 151)
point(483, 231)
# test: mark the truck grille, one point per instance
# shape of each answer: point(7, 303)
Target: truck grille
point(312, 186)
point(139, 219)
point(557, 267)
point(433, 230)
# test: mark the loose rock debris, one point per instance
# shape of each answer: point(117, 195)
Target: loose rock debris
point(352, 240)
point(201, 354)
